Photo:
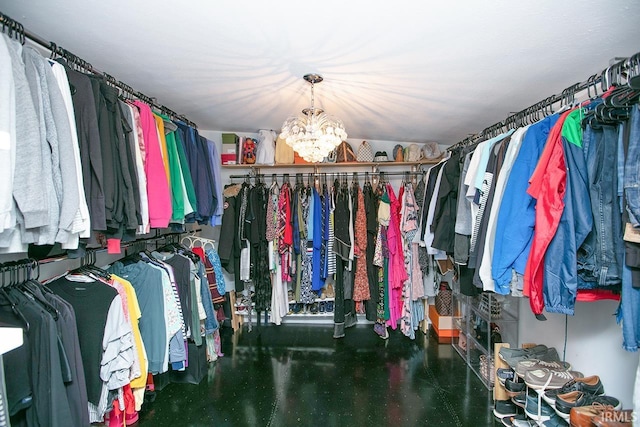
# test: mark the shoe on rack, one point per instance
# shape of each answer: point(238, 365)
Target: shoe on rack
point(591, 385)
point(530, 364)
point(565, 402)
point(504, 374)
point(521, 398)
point(506, 353)
point(313, 308)
point(555, 421)
point(322, 307)
point(537, 409)
point(520, 420)
point(504, 408)
point(583, 416)
point(329, 306)
point(537, 352)
point(514, 388)
point(546, 379)
point(614, 418)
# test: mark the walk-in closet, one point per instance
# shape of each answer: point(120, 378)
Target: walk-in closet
point(344, 214)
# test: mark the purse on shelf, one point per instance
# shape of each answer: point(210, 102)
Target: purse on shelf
point(345, 153)
point(365, 153)
point(284, 152)
point(444, 303)
point(398, 153)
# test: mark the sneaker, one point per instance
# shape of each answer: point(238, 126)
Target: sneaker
point(322, 307)
point(591, 385)
point(518, 421)
point(564, 402)
point(313, 308)
point(504, 373)
point(514, 388)
point(555, 421)
point(530, 364)
point(520, 399)
point(504, 408)
point(329, 306)
point(381, 330)
point(511, 356)
point(545, 379)
point(548, 355)
point(537, 409)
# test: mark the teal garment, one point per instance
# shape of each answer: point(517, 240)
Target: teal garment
point(186, 173)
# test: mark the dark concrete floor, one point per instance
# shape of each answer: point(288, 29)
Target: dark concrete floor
point(300, 376)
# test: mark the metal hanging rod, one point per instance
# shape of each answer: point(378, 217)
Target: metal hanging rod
point(16, 30)
point(614, 74)
point(338, 174)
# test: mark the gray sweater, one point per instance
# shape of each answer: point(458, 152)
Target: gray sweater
point(30, 202)
point(63, 185)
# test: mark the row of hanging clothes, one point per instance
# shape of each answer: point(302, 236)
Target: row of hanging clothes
point(102, 334)
point(546, 205)
point(351, 239)
point(112, 164)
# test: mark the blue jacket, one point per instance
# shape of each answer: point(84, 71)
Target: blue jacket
point(560, 261)
point(516, 217)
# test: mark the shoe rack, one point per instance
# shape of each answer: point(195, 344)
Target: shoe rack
point(474, 342)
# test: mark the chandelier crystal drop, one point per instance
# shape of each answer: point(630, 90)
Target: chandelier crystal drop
point(314, 134)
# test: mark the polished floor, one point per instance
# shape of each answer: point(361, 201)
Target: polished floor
point(300, 376)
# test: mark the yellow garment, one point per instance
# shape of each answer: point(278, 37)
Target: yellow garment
point(163, 145)
point(134, 317)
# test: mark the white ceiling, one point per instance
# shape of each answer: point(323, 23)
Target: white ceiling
point(394, 70)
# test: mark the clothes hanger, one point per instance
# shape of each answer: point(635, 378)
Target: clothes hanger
point(12, 302)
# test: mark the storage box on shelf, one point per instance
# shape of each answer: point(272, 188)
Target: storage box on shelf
point(475, 322)
point(443, 326)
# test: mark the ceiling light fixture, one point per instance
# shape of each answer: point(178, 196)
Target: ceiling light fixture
point(314, 134)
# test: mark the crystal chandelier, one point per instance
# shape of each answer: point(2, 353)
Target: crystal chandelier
point(314, 134)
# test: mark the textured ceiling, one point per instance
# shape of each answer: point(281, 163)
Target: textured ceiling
point(398, 71)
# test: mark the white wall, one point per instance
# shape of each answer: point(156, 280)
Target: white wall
point(594, 344)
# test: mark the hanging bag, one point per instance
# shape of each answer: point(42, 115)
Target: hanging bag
point(444, 300)
point(365, 153)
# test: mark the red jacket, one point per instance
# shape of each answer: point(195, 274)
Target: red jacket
point(547, 186)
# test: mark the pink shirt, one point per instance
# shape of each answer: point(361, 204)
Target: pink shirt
point(157, 185)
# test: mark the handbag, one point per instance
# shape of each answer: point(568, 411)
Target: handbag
point(284, 152)
point(444, 304)
point(345, 153)
point(490, 306)
point(365, 153)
